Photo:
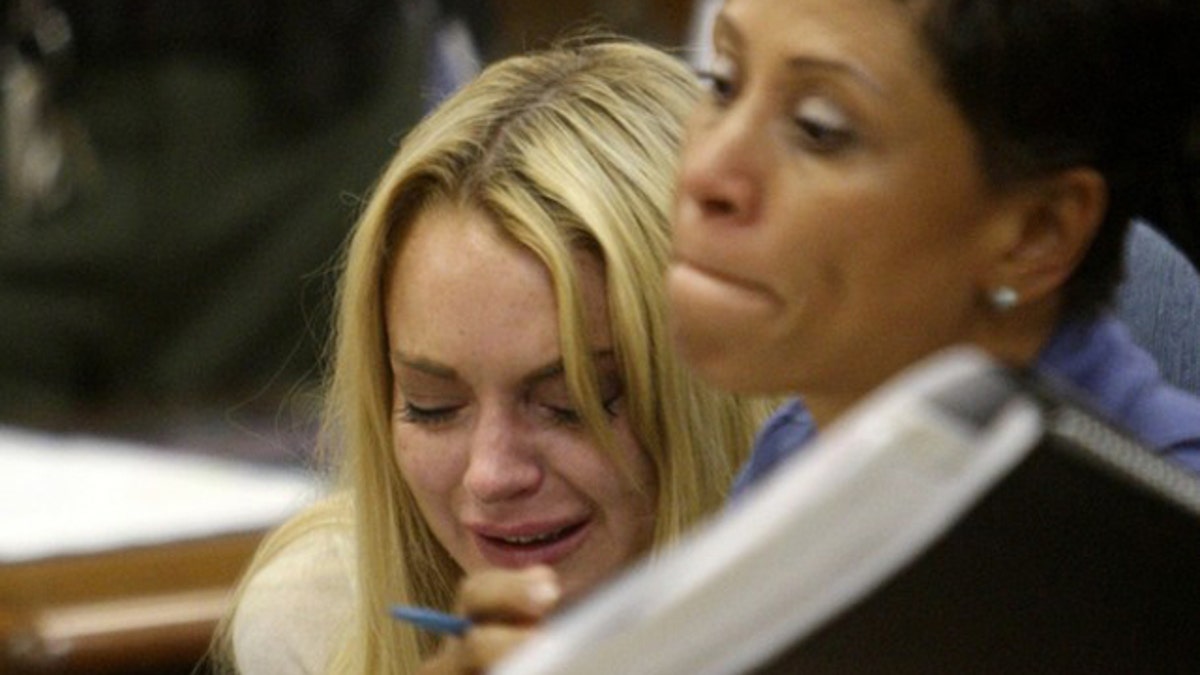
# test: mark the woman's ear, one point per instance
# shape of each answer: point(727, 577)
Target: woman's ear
point(1052, 226)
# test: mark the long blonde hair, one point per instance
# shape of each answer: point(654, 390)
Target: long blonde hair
point(566, 149)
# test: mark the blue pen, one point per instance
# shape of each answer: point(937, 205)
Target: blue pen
point(431, 619)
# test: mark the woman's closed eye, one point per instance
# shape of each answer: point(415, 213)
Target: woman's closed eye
point(822, 125)
point(719, 79)
point(555, 400)
point(426, 415)
point(563, 415)
point(569, 415)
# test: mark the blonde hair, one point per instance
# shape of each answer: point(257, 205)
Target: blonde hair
point(572, 148)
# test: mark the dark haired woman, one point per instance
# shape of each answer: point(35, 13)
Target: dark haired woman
point(873, 180)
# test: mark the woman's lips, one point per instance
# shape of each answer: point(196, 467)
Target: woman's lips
point(710, 282)
point(531, 544)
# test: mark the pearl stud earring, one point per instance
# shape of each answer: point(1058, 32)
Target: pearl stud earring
point(1004, 298)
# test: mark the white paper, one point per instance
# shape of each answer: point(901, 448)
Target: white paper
point(64, 495)
point(827, 528)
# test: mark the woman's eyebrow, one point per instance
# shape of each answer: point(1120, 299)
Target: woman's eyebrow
point(724, 29)
point(836, 66)
point(556, 368)
point(423, 365)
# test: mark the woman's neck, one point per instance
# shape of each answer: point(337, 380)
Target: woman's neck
point(1014, 339)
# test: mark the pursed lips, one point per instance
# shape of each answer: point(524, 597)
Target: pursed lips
point(721, 277)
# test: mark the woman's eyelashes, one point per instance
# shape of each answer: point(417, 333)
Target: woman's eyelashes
point(822, 125)
point(719, 80)
point(555, 398)
point(569, 414)
point(562, 415)
point(559, 410)
point(426, 415)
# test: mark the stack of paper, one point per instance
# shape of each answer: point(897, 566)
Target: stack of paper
point(964, 519)
point(63, 495)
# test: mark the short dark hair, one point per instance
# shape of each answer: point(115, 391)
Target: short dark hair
point(1052, 84)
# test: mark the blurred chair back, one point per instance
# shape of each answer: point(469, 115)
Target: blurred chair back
point(699, 33)
point(453, 58)
point(1160, 302)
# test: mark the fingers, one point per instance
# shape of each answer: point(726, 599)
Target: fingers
point(509, 596)
point(505, 607)
point(447, 661)
point(484, 647)
point(477, 651)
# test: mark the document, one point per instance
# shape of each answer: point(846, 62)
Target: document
point(963, 519)
point(63, 495)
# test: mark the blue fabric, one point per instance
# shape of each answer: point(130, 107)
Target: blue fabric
point(1099, 359)
point(785, 433)
point(1122, 382)
point(1160, 303)
point(453, 60)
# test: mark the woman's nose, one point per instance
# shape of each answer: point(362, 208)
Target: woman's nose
point(721, 166)
point(503, 462)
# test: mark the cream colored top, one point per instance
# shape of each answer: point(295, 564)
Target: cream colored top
point(295, 606)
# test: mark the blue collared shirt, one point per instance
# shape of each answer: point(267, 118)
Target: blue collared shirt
point(1097, 358)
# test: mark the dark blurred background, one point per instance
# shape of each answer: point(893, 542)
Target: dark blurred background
point(178, 177)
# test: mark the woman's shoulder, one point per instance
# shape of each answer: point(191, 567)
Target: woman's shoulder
point(295, 599)
point(1120, 380)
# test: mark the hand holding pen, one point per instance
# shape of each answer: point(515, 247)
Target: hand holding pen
point(498, 610)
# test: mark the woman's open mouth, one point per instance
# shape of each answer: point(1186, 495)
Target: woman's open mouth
point(531, 547)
